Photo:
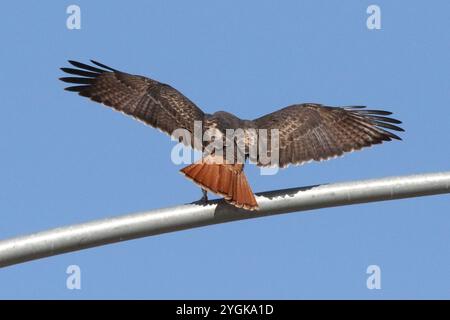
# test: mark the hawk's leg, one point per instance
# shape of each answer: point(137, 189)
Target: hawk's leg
point(204, 198)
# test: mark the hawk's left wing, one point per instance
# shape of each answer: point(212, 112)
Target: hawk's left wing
point(152, 102)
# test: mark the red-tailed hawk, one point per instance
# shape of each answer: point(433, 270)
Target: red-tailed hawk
point(306, 131)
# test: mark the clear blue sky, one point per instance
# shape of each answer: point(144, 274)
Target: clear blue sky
point(65, 160)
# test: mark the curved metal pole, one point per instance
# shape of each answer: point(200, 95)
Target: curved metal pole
point(132, 226)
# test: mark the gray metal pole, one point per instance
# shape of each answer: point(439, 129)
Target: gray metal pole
point(126, 227)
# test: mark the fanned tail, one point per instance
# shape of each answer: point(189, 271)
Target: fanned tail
point(227, 180)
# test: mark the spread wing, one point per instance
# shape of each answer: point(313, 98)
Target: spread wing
point(315, 132)
point(152, 102)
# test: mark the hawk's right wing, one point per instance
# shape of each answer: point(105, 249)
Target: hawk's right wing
point(316, 132)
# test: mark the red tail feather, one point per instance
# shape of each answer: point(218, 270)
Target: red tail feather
point(227, 180)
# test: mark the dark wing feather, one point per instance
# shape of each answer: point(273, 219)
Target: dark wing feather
point(315, 132)
point(156, 104)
